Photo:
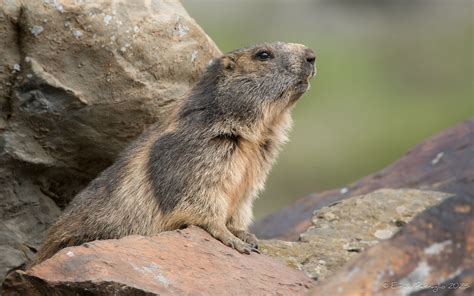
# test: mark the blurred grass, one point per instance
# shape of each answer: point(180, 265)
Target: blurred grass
point(387, 79)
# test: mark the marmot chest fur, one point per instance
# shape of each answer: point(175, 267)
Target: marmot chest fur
point(206, 167)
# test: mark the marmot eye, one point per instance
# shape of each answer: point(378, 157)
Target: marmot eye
point(264, 55)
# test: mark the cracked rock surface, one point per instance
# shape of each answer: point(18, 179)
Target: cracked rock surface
point(431, 255)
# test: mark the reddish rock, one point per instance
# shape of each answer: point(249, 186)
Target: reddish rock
point(184, 262)
point(431, 255)
point(444, 163)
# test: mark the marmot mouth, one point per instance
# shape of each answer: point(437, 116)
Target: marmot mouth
point(304, 83)
point(302, 86)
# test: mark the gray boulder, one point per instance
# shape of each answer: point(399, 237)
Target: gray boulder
point(78, 81)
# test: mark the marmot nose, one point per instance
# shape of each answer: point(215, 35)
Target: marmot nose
point(309, 56)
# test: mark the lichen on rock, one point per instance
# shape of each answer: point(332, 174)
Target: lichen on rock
point(341, 231)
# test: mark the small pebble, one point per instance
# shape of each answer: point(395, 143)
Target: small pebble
point(36, 30)
point(437, 158)
point(383, 233)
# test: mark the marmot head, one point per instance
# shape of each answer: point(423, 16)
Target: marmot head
point(246, 83)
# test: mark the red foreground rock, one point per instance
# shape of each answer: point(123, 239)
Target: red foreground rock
point(184, 262)
point(431, 255)
point(444, 163)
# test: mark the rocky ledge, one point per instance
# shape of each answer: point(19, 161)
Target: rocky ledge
point(390, 242)
point(182, 262)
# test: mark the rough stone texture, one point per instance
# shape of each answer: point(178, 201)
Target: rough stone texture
point(432, 255)
point(343, 230)
point(444, 162)
point(184, 262)
point(78, 81)
point(9, 55)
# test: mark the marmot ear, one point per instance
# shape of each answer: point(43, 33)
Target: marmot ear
point(228, 62)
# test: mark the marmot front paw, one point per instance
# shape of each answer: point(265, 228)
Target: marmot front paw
point(247, 237)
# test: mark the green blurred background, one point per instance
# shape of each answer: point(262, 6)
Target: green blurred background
point(390, 74)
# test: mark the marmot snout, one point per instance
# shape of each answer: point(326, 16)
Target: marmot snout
point(207, 165)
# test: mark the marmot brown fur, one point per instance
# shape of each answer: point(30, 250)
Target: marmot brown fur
point(207, 165)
